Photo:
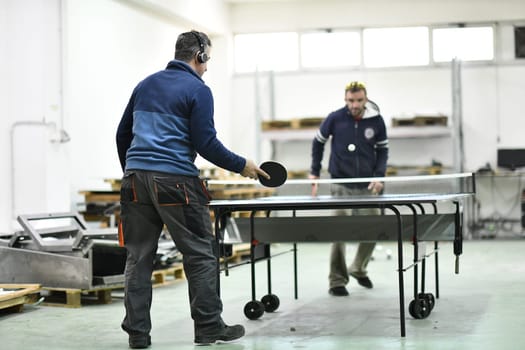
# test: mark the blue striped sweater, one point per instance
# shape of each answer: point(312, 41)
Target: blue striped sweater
point(168, 120)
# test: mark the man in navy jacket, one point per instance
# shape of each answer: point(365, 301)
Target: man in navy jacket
point(359, 149)
point(167, 122)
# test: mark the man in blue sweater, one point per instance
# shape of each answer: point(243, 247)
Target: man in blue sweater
point(168, 120)
point(359, 148)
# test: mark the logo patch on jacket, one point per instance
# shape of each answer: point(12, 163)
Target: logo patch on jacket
point(369, 133)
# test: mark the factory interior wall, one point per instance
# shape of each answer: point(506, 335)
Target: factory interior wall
point(71, 66)
point(35, 161)
point(489, 91)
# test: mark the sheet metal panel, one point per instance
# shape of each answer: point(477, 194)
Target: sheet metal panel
point(431, 227)
point(47, 269)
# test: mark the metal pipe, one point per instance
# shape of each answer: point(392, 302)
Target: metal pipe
point(457, 116)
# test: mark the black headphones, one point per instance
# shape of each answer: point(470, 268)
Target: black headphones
point(202, 56)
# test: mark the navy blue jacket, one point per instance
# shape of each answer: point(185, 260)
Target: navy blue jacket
point(359, 148)
point(168, 120)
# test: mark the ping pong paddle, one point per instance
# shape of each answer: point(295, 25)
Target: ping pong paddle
point(277, 172)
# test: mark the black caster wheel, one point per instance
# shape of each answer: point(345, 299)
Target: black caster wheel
point(254, 309)
point(271, 302)
point(429, 297)
point(419, 310)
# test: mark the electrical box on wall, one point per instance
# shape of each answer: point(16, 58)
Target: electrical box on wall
point(519, 42)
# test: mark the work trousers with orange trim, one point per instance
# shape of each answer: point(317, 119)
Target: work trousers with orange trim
point(150, 200)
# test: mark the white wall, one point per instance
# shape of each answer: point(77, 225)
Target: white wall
point(317, 94)
point(5, 120)
point(74, 63)
point(110, 48)
point(491, 112)
point(34, 174)
point(211, 16)
point(94, 52)
point(269, 16)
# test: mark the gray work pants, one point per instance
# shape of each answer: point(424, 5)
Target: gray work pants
point(149, 201)
point(339, 271)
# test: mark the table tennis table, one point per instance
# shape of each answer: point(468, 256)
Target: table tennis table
point(418, 226)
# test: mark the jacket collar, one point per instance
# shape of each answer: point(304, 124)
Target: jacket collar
point(371, 110)
point(181, 65)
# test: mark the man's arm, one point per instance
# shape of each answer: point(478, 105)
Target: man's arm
point(317, 154)
point(204, 136)
point(206, 143)
point(381, 158)
point(381, 150)
point(125, 132)
point(318, 143)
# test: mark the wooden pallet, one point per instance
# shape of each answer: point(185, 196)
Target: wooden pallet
point(419, 170)
point(247, 214)
point(101, 196)
point(168, 276)
point(420, 121)
point(219, 187)
point(295, 123)
point(276, 124)
point(14, 296)
point(115, 184)
point(306, 123)
point(241, 193)
point(240, 214)
point(75, 298)
point(241, 252)
point(298, 174)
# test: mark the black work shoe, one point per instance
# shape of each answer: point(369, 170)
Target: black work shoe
point(225, 333)
point(338, 291)
point(139, 341)
point(363, 281)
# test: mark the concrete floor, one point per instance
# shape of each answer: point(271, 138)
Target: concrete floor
point(481, 308)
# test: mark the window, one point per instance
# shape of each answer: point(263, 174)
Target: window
point(390, 47)
point(369, 47)
point(467, 44)
point(266, 51)
point(330, 49)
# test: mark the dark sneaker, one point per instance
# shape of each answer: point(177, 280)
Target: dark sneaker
point(363, 281)
point(225, 333)
point(338, 291)
point(139, 341)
